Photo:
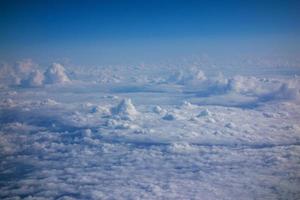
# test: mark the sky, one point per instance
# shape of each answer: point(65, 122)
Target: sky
point(117, 32)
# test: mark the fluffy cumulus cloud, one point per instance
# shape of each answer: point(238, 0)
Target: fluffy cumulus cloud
point(125, 109)
point(190, 76)
point(285, 91)
point(263, 89)
point(27, 74)
point(14, 74)
point(35, 79)
point(266, 89)
point(55, 74)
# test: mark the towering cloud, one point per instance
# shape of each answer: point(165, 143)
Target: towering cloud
point(16, 74)
point(56, 74)
point(125, 109)
point(35, 79)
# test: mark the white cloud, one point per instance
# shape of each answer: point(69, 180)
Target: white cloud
point(26, 74)
point(24, 67)
point(63, 142)
point(55, 74)
point(125, 109)
point(190, 76)
point(35, 79)
point(8, 75)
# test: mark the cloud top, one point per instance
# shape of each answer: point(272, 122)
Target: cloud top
point(55, 74)
point(26, 74)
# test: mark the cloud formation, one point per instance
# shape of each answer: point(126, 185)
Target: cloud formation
point(27, 74)
point(35, 79)
point(55, 74)
point(87, 140)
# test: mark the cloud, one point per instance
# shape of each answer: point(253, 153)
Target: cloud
point(27, 74)
point(266, 89)
point(125, 109)
point(35, 79)
point(55, 74)
point(24, 68)
point(12, 75)
point(286, 91)
point(190, 76)
point(77, 149)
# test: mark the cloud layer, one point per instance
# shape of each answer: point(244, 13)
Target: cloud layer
point(148, 135)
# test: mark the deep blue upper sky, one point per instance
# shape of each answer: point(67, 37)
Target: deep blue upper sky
point(116, 31)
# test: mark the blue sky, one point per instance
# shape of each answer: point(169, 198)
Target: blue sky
point(102, 32)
